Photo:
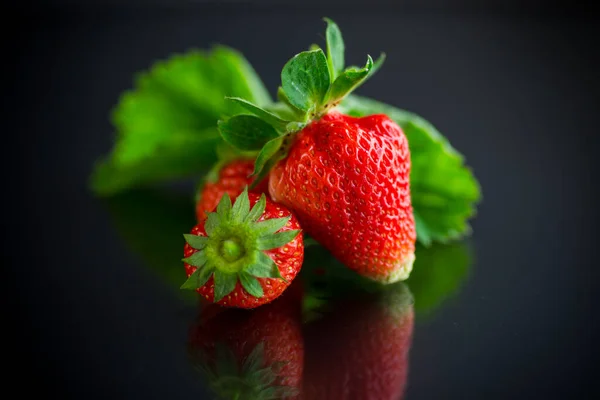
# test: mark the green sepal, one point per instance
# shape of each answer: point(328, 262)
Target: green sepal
point(305, 79)
point(198, 259)
point(351, 79)
point(335, 48)
point(285, 112)
point(224, 207)
point(282, 97)
point(224, 284)
point(348, 80)
point(246, 132)
point(197, 242)
point(268, 117)
point(377, 64)
point(266, 159)
point(212, 220)
point(257, 210)
point(241, 207)
point(264, 267)
point(198, 278)
point(277, 240)
point(270, 226)
point(251, 284)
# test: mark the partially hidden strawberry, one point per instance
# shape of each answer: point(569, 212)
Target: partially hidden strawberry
point(243, 255)
point(345, 178)
point(365, 353)
point(250, 354)
point(231, 178)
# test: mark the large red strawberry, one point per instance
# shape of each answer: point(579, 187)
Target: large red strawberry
point(231, 178)
point(243, 255)
point(347, 181)
point(360, 348)
point(345, 178)
point(251, 354)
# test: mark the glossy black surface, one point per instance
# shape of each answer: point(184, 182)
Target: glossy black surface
point(99, 314)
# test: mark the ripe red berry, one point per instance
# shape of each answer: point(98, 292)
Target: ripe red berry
point(243, 255)
point(347, 181)
point(231, 179)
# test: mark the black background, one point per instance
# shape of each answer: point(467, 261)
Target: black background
point(513, 85)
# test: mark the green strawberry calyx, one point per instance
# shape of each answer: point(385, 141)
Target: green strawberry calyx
point(233, 249)
point(313, 83)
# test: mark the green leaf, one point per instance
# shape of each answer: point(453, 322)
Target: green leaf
point(438, 273)
point(166, 125)
point(276, 240)
point(197, 242)
point(264, 267)
point(305, 79)
point(132, 164)
point(444, 191)
point(246, 132)
point(348, 81)
point(258, 209)
point(268, 117)
point(267, 157)
point(251, 285)
point(224, 284)
point(270, 226)
point(198, 278)
point(241, 207)
point(335, 48)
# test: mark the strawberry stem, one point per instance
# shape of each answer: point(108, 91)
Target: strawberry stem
point(231, 250)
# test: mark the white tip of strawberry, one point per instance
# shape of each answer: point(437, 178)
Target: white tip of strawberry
point(402, 272)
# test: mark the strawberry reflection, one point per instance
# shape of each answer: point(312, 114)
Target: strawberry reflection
point(357, 337)
point(251, 354)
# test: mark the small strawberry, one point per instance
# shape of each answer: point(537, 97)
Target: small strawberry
point(365, 353)
point(250, 354)
point(243, 255)
point(230, 178)
point(345, 178)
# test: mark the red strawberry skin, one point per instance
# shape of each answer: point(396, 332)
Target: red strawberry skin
point(277, 326)
point(347, 181)
point(365, 353)
point(288, 258)
point(233, 177)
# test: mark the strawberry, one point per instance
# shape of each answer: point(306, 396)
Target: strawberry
point(231, 178)
point(250, 354)
point(345, 178)
point(365, 353)
point(347, 181)
point(243, 255)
